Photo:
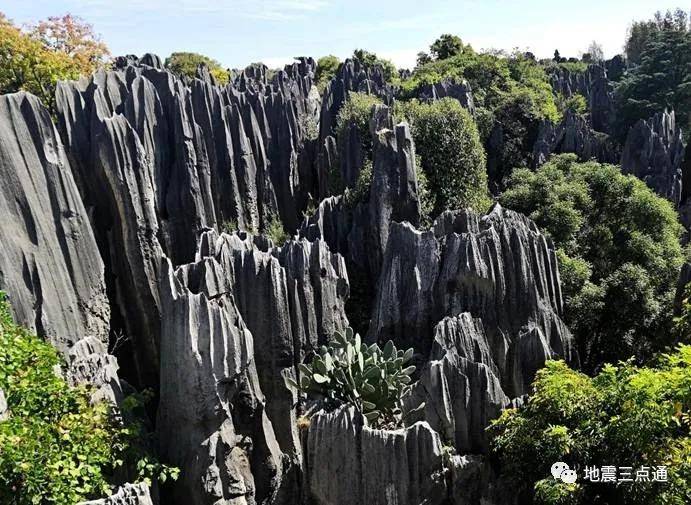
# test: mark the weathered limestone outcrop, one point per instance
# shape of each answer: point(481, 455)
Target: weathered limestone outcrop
point(498, 268)
point(50, 266)
point(461, 91)
point(573, 135)
point(211, 420)
point(479, 299)
point(159, 159)
point(654, 152)
point(129, 494)
point(592, 84)
point(461, 385)
point(262, 309)
point(359, 229)
point(348, 462)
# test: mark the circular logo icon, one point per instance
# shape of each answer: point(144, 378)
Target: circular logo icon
point(569, 476)
point(558, 468)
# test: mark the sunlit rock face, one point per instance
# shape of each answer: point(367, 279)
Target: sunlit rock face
point(50, 267)
point(235, 323)
point(129, 494)
point(159, 159)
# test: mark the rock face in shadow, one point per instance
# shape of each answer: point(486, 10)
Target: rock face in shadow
point(479, 297)
point(654, 152)
point(461, 91)
point(159, 159)
point(354, 76)
point(357, 226)
point(348, 462)
point(235, 323)
point(573, 135)
point(129, 494)
point(595, 87)
point(50, 266)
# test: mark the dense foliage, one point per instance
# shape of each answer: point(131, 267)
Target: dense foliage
point(641, 33)
point(34, 60)
point(56, 446)
point(327, 67)
point(348, 371)
point(371, 60)
point(661, 81)
point(452, 157)
point(619, 253)
point(626, 416)
point(183, 63)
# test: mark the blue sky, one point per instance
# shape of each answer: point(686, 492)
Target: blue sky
point(238, 32)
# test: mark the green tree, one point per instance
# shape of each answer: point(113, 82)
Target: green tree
point(327, 67)
point(370, 60)
point(619, 251)
point(625, 416)
point(56, 446)
point(74, 37)
point(661, 80)
point(56, 49)
point(446, 46)
point(183, 63)
point(640, 33)
point(452, 157)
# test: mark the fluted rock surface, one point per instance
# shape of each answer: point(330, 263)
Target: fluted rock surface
point(358, 226)
point(499, 268)
point(129, 494)
point(573, 135)
point(595, 87)
point(211, 420)
point(461, 91)
point(461, 385)
point(348, 462)
point(50, 266)
point(255, 311)
point(654, 152)
point(159, 159)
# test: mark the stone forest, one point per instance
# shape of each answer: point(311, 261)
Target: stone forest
point(342, 282)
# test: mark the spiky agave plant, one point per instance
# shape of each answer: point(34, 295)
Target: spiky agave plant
point(372, 379)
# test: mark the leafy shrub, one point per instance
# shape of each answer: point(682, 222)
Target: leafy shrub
point(348, 371)
point(453, 159)
point(56, 446)
point(625, 416)
point(357, 110)
point(620, 252)
point(576, 103)
point(275, 230)
point(327, 67)
point(183, 63)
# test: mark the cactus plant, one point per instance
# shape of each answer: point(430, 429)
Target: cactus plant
point(349, 371)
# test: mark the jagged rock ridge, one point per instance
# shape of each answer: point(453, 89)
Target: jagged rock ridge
point(49, 263)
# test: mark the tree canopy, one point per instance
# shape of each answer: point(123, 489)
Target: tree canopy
point(34, 60)
point(184, 63)
point(626, 416)
point(451, 154)
point(446, 46)
point(662, 80)
point(619, 253)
